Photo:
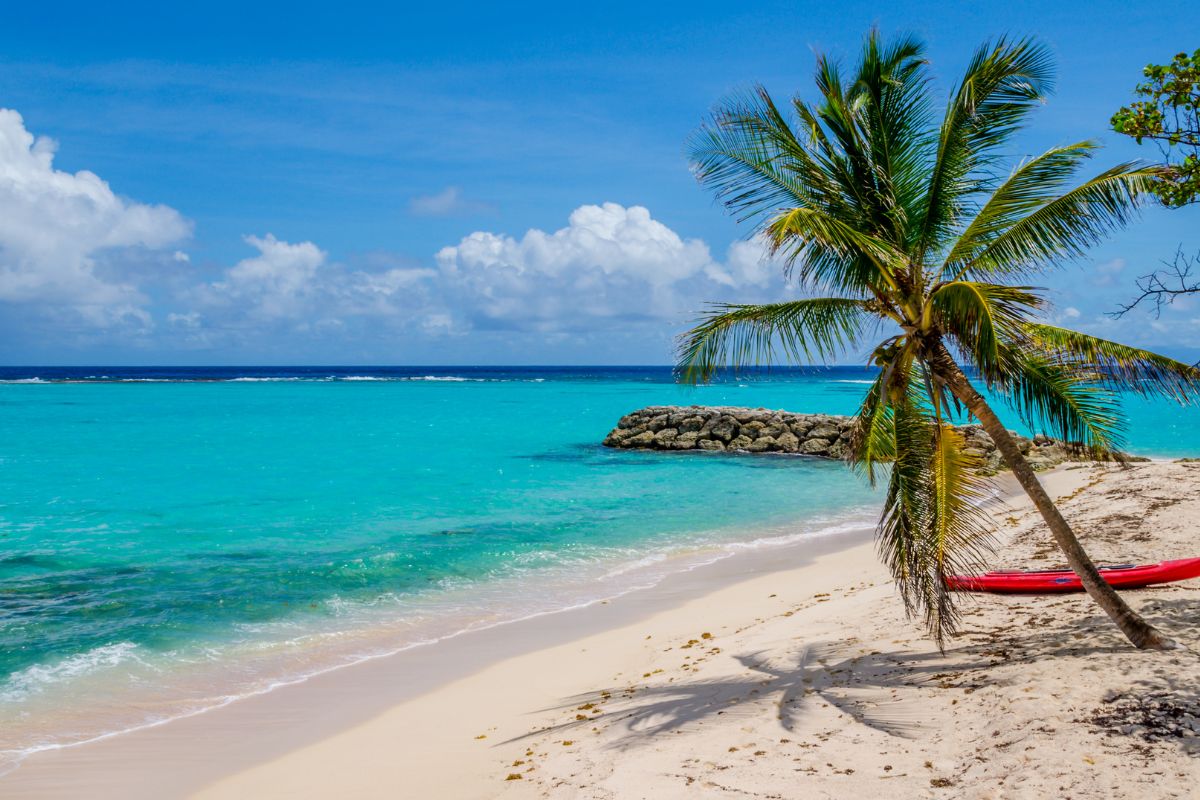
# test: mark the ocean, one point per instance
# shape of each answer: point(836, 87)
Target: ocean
point(172, 539)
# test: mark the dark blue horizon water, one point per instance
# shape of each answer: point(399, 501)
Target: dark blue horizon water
point(648, 372)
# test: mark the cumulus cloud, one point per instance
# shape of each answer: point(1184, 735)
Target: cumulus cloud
point(276, 283)
point(447, 202)
point(58, 231)
point(610, 268)
point(294, 286)
point(609, 264)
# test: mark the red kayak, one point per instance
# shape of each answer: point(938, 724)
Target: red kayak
point(1121, 576)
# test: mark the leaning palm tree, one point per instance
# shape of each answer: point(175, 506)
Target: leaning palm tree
point(910, 219)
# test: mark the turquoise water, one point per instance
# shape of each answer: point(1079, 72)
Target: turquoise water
point(178, 543)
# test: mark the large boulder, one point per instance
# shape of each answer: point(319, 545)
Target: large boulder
point(629, 420)
point(774, 429)
point(753, 428)
point(761, 445)
point(725, 428)
point(643, 439)
point(801, 427)
point(616, 437)
point(657, 423)
point(665, 436)
point(815, 447)
point(787, 442)
point(825, 431)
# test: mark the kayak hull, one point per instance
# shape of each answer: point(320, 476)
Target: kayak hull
point(1064, 580)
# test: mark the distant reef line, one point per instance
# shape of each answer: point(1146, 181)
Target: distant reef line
point(760, 430)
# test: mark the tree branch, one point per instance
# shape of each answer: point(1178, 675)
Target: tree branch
point(1160, 288)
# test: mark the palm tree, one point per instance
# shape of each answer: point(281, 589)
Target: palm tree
point(922, 236)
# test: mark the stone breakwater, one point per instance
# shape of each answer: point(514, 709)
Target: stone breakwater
point(758, 430)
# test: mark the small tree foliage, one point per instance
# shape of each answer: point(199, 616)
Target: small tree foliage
point(1169, 115)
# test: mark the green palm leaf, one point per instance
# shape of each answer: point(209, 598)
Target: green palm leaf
point(980, 316)
point(831, 251)
point(893, 85)
point(1056, 397)
point(959, 536)
point(1118, 365)
point(1030, 186)
point(1003, 83)
point(873, 441)
point(1065, 226)
point(753, 161)
point(903, 521)
point(750, 335)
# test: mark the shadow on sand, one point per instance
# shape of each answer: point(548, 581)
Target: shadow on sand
point(868, 688)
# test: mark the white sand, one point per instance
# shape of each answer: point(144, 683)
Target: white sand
point(805, 681)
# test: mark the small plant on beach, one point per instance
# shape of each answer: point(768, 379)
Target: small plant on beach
point(912, 218)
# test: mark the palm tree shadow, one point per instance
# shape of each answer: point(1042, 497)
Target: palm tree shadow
point(858, 686)
point(868, 688)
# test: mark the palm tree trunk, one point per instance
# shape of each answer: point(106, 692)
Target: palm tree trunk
point(1142, 634)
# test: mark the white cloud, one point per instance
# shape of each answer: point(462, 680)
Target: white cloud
point(57, 229)
point(1070, 312)
point(610, 269)
point(447, 202)
point(278, 282)
point(296, 287)
point(190, 321)
point(747, 264)
point(1106, 272)
point(610, 264)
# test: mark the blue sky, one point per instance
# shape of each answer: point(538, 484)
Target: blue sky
point(453, 183)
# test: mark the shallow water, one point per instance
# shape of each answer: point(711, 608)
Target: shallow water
point(172, 539)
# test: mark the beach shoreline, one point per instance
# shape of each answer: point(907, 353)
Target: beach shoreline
point(475, 711)
point(425, 667)
point(595, 584)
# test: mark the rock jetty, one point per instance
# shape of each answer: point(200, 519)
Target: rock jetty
point(759, 430)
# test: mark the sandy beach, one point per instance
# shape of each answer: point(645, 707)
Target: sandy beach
point(778, 674)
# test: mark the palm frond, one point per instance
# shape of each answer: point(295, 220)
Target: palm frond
point(831, 252)
point(1003, 83)
point(750, 157)
point(1118, 365)
point(1054, 396)
point(933, 522)
point(1066, 226)
point(959, 529)
point(981, 315)
point(742, 335)
point(873, 437)
point(1030, 186)
point(891, 86)
point(903, 522)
